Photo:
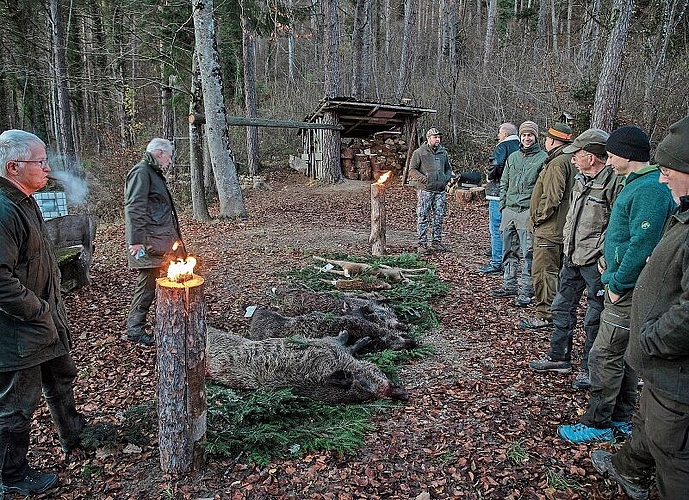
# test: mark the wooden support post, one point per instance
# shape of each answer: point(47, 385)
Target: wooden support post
point(181, 342)
point(377, 239)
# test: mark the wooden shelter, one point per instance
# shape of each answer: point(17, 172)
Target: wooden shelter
point(357, 119)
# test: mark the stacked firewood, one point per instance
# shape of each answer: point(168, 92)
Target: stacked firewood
point(364, 159)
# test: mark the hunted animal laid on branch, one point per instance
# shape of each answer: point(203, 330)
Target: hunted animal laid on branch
point(270, 324)
point(349, 268)
point(294, 302)
point(321, 369)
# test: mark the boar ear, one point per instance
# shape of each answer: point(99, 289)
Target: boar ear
point(342, 338)
point(340, 378)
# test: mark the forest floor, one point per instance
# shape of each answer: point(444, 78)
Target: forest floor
point(478, 423)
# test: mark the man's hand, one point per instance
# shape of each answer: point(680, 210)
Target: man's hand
point(613, 296)
point(134, 249)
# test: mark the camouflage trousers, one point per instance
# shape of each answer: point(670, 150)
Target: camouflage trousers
point(427, 202)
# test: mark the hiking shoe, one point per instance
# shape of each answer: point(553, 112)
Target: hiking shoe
point(534, 323)
point(580, 433)
point(622, 430)
point(522, 301)
point(582, 380)
point(33, 482)
point(504, 292)
point(439, 247)
point(602, 461)
point(490, 269)
point(550, 365)
point(143, 338)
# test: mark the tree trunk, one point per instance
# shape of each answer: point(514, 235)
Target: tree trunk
point(407, 49)
point(590, 38)
point(249, 57)
point(181, 346)
point(65, 136)
point(490, 32)
point(332, 168)
point(198, 192)
point(608, 91)
point(360, 20)
point(224, 169)
point(331, 39)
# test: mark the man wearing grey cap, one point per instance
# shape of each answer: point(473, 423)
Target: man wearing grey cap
point(430, 171)
point(595, 189)
point(659, 348)
point(636, 223)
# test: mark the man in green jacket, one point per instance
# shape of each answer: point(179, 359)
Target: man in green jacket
point(636, 223)
point(430, 171)
point(548, 211)
point(35, 338)
point(516, 185)
point(659, 348)
point(152, 230)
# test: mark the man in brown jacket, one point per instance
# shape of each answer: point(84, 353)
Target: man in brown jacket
point(548, 210)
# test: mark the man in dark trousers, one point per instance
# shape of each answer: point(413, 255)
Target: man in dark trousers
point(636, 223)
point(659, 348)
point(430, 171)
point(595, 188)
point(508, 143)
point(35, 339)
point(152, 231)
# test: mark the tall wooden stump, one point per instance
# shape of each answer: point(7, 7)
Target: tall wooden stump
point(181, 342)
point(377, 239)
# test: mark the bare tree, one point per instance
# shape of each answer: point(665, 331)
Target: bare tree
point(224, 169)
point(607, 97)
point(332, 168)
point(65, 134)
point(250, 105)
point(491, 20)
point(410, 7)
point(360, 48)
point(198, 192)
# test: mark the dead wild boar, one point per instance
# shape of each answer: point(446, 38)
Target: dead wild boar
point(321, 369)
point(271, 324)
point(293, 302)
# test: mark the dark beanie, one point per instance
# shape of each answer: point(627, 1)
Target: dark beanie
point(673, 151)
point(629, 142)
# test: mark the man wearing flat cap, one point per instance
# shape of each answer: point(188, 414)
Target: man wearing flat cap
point(516, 185)
point(548, 210)
point(636, 223)
point(659, 347)
point(595, 188)
point(430, 171)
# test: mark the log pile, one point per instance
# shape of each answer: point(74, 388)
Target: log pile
point(364, 159)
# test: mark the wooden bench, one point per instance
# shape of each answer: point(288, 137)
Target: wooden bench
point(73, 237)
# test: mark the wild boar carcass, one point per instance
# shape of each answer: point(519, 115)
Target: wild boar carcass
point(271, 324)
point(321, 369)
point(293, 302)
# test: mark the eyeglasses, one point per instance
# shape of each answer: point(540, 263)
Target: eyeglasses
point(43, 162)
point(664, 170)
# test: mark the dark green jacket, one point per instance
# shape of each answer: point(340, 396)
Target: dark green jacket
point(519, 177)
point(550, 198)
point(430, 170)
point(149, 215)
point(33, 321)
point(588, 215)
point(636, 223)
point(659, 338)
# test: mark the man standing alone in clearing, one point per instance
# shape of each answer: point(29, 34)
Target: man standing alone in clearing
point(430, 171)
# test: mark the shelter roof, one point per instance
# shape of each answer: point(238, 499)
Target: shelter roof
point(363, 119)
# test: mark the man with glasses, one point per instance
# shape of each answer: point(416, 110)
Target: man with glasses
point(595, 189)
point(152, 229)
point(636, 223)
point(35, 339)
point(659, 348)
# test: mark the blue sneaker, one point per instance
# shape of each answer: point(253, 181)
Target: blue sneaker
point(623, 429)
point(580, 433)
